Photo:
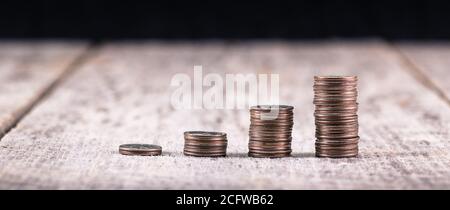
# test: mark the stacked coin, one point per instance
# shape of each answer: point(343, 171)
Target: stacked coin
point(205, 144)
point(270, 131)
point(336, 116)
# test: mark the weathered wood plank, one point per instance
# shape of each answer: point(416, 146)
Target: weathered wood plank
point(27, 70)
point(70, 141)
point(433, 59)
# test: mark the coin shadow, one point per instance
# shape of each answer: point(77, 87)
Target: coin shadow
point(237, 154)
point(303, 155)
point(170, 154)
point(391, 154)
point(293, 155)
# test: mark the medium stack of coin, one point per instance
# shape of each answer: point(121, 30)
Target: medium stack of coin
point(270, 131)
point(336, 116)
point(205, 144)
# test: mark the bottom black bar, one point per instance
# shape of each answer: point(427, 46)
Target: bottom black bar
point(223, 199)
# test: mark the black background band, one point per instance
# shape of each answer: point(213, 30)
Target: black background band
point(102, 19)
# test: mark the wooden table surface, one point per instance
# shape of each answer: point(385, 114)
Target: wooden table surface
point(65, 107)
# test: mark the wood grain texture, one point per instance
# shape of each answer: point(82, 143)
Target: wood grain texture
point(71, 140)
point(433, 59)
point(27, 70)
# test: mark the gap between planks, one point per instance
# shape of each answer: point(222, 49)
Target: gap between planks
point(419, 74)
point(79, 60)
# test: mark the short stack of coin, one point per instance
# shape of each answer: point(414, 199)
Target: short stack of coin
point(336, 119)
point(270, 135)
point(205, 144)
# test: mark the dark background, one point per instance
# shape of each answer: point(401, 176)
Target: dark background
point(100, 20)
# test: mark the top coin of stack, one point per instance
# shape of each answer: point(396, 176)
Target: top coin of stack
point(270, 137)
point(336, 116)
point(205, 144)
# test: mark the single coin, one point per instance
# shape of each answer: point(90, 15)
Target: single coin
point(279, 155)
point(269, 107)
point(267, 144)
point(336, 78)
point(348, 155)
point(220, 154)
point(205, 144)
point(204, 134)
point(204, 150)
point(270, 148)
point(140, 149)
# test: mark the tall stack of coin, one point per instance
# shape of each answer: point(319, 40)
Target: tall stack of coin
point(270, 131)
point(336, 116)
point(205, 144)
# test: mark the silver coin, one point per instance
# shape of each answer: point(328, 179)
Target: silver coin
point(140, 149)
